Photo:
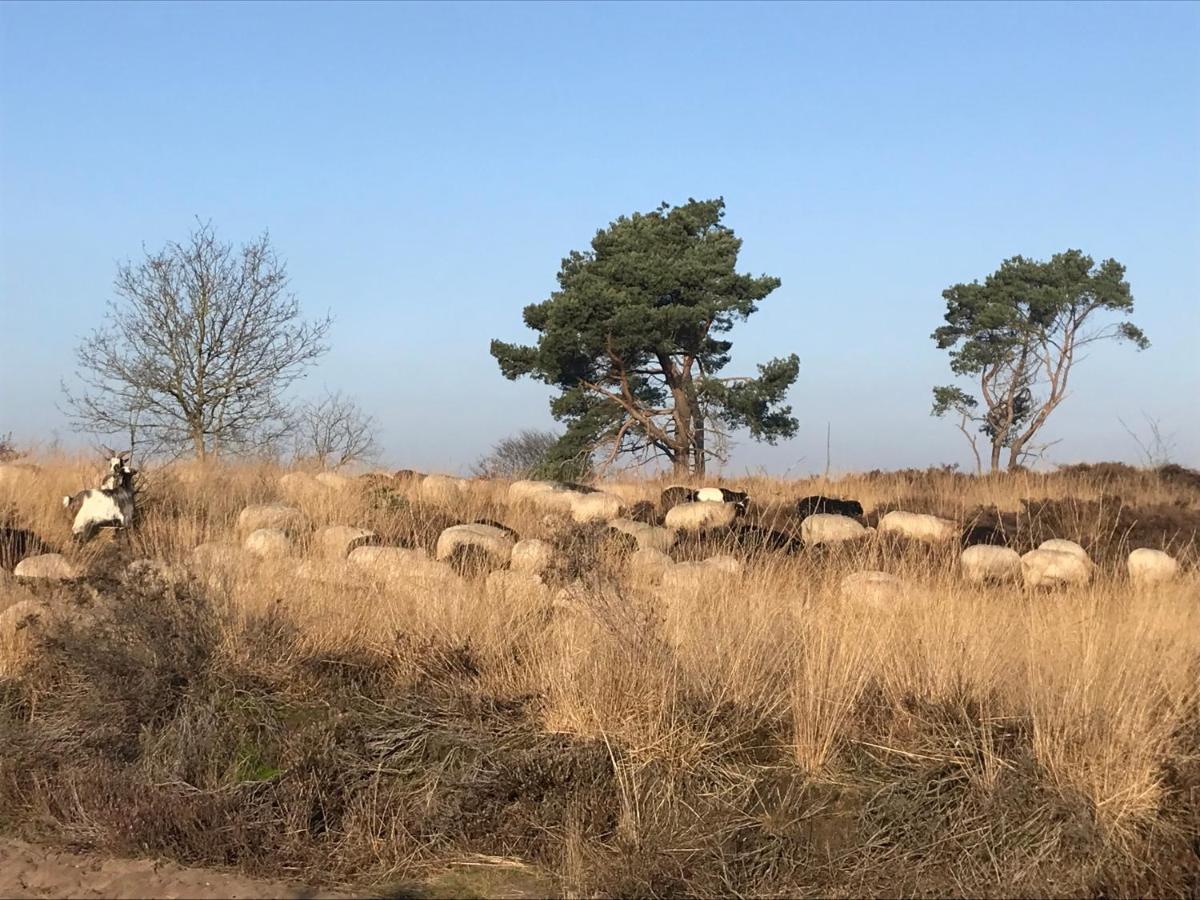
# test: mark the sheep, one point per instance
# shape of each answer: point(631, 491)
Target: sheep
point(531, 556)
point(111, 504)
point(648, 565)
point(300, 486)
point(270, 515)
point(268, 543)
point(820, 505)
point(508, 583)
point(694, 576)
point(398, 566)
point(1048, 567)
point(878, 589)
point(698, 516)
point(334, 480)
point(48, 566)
point(494, 541)
point(648, 537)
point(827, 528)
point(337, 541)
point(987, 562)
point(1148, 566)
point(676, 495)
point(919, 527)
point(595, 506)
point(442, 490)
point(1064, 546)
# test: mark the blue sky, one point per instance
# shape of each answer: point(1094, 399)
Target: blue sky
point(423, 169)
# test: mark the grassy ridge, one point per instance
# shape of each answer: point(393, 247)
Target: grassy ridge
point(759, 736)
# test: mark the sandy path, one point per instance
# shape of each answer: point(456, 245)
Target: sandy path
point(29, 870)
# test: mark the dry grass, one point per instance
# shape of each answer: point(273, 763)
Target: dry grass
point(757, 736)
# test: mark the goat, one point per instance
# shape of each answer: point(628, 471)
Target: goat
point(111, 504)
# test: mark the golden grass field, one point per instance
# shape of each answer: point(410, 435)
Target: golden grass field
point(757, 736)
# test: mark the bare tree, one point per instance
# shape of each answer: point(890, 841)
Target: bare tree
point(517, 456)
point(333, 432)
point(197, 350)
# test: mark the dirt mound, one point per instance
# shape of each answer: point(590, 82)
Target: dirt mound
point(27, 870)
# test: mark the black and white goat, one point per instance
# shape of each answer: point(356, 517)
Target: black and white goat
point(109, 504)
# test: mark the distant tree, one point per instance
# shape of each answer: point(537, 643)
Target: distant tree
point(1018, 336)
point(333, 431)
point(517, 456)
point(631, 340)
point(197, 350)
point(9, 450)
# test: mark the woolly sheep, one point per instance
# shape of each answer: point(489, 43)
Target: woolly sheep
point(1063, 546)
point(334, 480)
point(595, 507)
point(1148, 566)
point(699, 516)
point(648, 537)
point(299, 486)
point(987, 562)
point(878, 589)
point(442, 490)
point(507, 583)
point(918, 526)
point(827, 528)
point(690, 576)
point(648, 565)
point(268, 543)
point(532, 556)
point(49, 566)
point(495, 541)
point(1046, 567)
point(398, 565)
point(337, 541)
point(270, 515)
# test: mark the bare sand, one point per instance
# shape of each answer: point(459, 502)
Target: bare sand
point(30, 870)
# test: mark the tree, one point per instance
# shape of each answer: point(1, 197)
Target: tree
point(333, 432)
point(1019, 335)
point(632, 340)
point(197, 350)
point(517, 456)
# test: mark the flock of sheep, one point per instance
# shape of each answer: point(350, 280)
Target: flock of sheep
point(276, 530)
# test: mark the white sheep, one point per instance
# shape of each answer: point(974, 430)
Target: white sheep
point(827, 528)
point(1064, 546)
point(399, 566)
point(1047, 567)
point(497, 542)
point(337, 541)
point(268, 543)
point(648, 565)
point(701, 516)
point(1148, 566)
point(335, 481)
point(531, 556)
point(270, 515)
point(877, 589)
point(594, 507)
point(48, 566)
point(986, 562)
point(443, 490)
point(648, 537)
point(918, 526)
point(707, 573)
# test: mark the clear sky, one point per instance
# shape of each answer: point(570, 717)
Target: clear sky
point(423, 169)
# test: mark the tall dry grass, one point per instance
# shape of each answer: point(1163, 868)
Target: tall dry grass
point(758, 735)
